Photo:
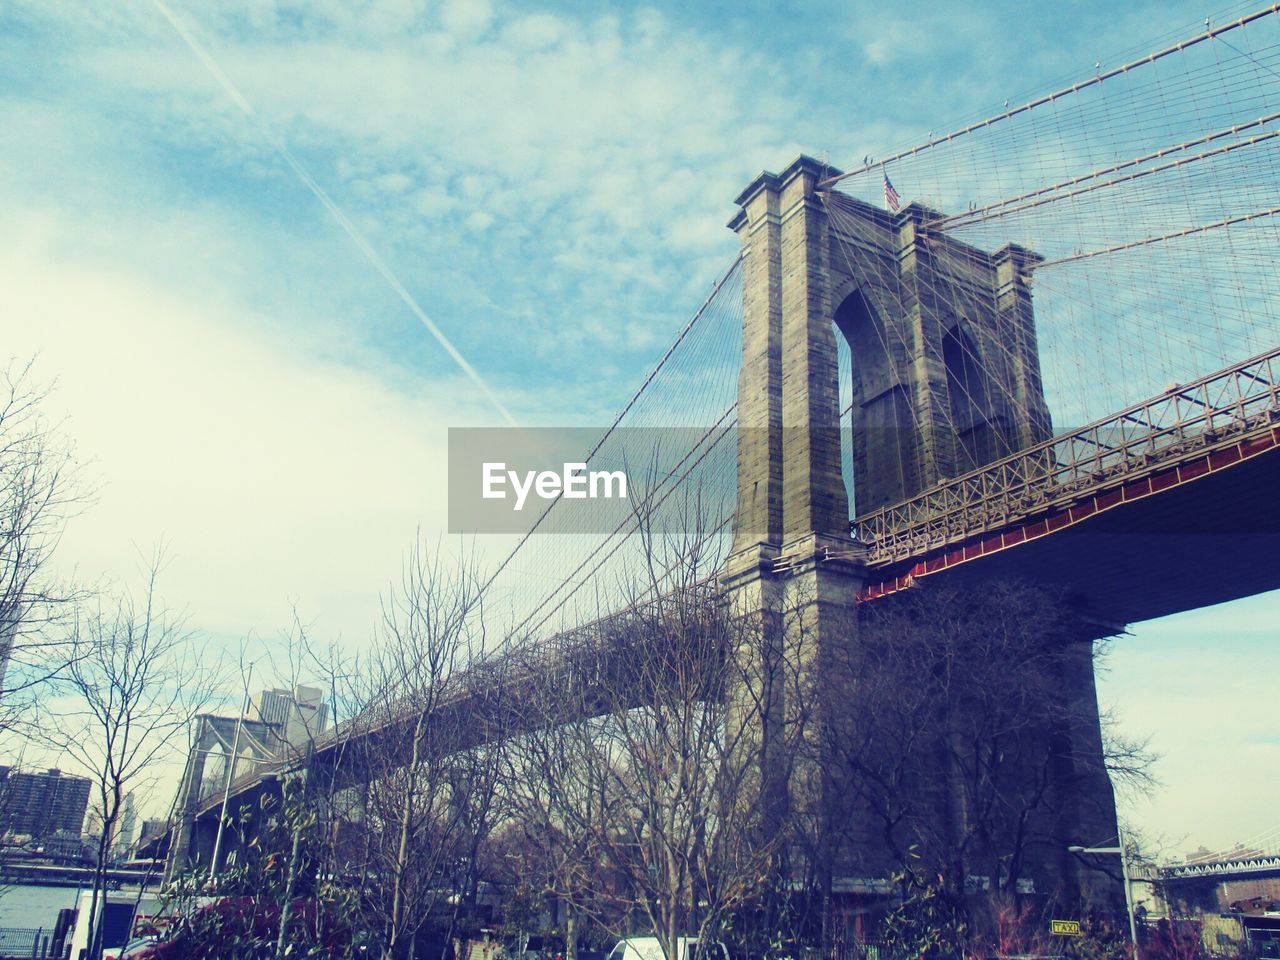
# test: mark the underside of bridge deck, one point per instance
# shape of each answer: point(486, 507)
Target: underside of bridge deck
point(1208, 541)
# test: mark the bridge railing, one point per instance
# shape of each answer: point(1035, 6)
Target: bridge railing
point(1185, 420)
point(1261, 863)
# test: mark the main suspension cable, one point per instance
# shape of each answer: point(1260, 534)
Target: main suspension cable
point(1057, 94)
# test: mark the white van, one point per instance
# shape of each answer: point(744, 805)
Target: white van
point(650, 948)
point(121, 912)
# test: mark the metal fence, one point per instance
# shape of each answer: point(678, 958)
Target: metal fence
point(19, 942)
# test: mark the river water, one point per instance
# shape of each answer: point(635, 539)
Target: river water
point(30, 907)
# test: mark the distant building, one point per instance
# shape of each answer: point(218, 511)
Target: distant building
point(66, 847)
point(152, 827)
point(40, 804)
point(8, 631)
point(125, 831)
point(298, 715)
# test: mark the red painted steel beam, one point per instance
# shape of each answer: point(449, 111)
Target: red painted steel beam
point(1062, 518)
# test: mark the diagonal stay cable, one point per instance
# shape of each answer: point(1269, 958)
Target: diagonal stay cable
point(698, 314)
point(1058, 94)
point(1009, 205)
point(1147, 241)
point(647, 504)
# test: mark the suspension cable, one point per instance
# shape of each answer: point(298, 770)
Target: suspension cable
point(1226, 222)
point(715, 291)
point(980, 213)
point(1058, 94)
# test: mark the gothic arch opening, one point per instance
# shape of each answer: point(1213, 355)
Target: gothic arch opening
point(882, 436)
point(973, 420)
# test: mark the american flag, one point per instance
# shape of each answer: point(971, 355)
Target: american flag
point(890, 195)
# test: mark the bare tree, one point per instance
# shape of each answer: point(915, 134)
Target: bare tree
point(416, 723)
point(38, 491)
point(967, 729)
point(310, 823)
point(555, 789)
point(376, 824)
point(685, 834)
point(128, 699)
point(630, 774)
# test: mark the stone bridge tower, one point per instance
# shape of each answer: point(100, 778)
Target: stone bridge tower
point(945, 372)
point(945, 378)
point(945, 367)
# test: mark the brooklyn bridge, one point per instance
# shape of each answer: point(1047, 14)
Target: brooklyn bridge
point(1055, 362)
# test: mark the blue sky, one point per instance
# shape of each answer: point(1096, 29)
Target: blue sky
point(551, 182)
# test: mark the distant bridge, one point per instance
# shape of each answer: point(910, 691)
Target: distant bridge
point(1242, 867)
point(1212, 882)
point(1260, 855)
point(52, 875)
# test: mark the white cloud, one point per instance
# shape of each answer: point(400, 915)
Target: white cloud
point(1193, 683)
point(878, 52)
point(591, 113)
point(465, 18)
point(273, 477)
point(393, 183)
point(434, 202)
point(600, 139)
point(536, 31)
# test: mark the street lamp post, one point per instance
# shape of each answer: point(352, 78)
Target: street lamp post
point(1124, 875)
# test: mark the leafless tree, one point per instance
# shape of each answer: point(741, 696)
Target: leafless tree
point(125, 703)
point(39, 490)
point(312, 820)
point(555, 792)
point(631, 775)
point(380, 819)
point(419, 726)
point(964, 720)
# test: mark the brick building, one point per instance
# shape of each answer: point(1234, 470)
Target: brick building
point(40, 804)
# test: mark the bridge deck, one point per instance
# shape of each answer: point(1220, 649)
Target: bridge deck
point(1169, 505)
point(1213, 415)
point(1193, 545)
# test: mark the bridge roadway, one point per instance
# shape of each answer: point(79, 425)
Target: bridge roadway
point(52, 875)
point(572, 671)
point(1166, 506)
point(1169, 505)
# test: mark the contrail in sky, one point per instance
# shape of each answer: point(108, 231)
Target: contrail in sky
point(335, 211)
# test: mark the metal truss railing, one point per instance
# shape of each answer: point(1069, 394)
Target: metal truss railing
point(1186, 420)
point(1256, 864)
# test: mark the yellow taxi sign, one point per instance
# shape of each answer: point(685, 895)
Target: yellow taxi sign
point(1065, 928)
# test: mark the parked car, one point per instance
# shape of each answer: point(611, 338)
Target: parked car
point(650, 948)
